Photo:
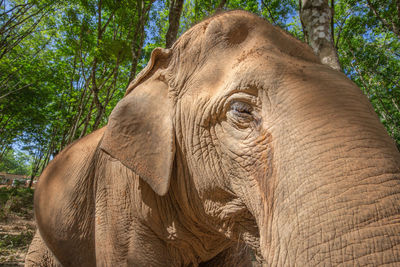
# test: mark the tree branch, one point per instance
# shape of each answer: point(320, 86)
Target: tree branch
point(341, 27)
point(269, 11)
point(393, 28)
point(16, 90)
point(221, 5)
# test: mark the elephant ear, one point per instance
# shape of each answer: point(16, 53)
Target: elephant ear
point(140, 132)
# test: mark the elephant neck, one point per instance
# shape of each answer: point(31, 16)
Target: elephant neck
point(184, 225)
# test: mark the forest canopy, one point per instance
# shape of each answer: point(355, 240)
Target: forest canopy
point(65, 64)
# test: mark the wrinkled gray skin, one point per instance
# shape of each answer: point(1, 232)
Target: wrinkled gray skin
point(236, 137)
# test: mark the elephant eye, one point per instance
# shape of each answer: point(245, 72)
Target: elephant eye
point(241, 109)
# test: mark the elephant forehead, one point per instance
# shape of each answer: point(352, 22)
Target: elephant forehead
point(210, 52)
point(239, 29)
point(252, 66)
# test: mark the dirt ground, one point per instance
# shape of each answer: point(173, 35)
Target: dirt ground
point(17, 228)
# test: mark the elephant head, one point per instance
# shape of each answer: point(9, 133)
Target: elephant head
point(258, 141)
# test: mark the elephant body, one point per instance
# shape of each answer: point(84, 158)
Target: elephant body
point(236, 138)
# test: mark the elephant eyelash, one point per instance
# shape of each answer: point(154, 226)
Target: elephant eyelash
point(241, 108)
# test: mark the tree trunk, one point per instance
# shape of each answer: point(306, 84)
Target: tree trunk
point(175, 11)
point(35, 167)
point(316, 17)
point(221, 5)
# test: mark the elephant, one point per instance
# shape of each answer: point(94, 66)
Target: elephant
point(236, 139)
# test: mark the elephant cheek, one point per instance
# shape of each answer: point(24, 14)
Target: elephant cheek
point(265, 178)
point(260, 198)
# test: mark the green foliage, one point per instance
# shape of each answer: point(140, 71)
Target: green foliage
point(248, 5)
point(15, 162)
point(369, 53)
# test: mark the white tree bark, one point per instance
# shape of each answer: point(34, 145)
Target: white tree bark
point(316, 17)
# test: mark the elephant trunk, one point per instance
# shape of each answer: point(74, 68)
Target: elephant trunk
point(335, 195)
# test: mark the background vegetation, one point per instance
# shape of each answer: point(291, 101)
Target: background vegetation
point(16, 200)
point(65, 64)
point(16, 224)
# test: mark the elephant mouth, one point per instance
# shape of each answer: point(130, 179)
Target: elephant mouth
point(249, 232)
